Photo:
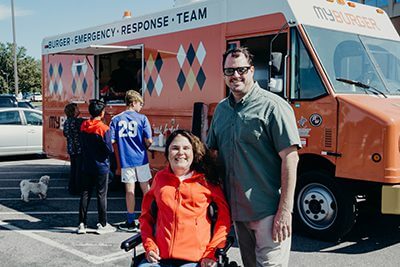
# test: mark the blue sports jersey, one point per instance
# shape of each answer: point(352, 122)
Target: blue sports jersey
point(128, 130)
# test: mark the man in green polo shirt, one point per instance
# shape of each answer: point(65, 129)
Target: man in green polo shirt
point(256, 137)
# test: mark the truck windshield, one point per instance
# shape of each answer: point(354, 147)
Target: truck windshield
point(364, 60)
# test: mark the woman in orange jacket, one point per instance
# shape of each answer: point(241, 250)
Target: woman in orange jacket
point(183, 191)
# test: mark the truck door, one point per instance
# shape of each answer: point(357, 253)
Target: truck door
point(260, 47)
point(315, 109)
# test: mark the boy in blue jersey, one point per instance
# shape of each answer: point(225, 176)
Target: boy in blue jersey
point(132, 133)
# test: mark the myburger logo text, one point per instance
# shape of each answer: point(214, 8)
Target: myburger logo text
point(345, 18)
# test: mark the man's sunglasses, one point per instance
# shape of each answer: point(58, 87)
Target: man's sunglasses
point(239, 70)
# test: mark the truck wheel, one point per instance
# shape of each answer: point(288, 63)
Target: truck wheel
point(322, 208)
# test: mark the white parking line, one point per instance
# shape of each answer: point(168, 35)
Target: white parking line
point(49, 162)
point(58, 198)
point(56, 212)
point(18, 188)
point(92, 259)
point(19, 179)
point(32, 171)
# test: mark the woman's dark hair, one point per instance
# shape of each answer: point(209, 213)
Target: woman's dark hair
point(203, 162)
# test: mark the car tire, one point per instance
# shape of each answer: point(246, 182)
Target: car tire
point(323, 209)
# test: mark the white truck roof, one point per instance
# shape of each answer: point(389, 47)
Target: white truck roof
point(329, 14)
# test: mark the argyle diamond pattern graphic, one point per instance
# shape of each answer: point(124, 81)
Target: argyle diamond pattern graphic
point(150, 85)
point(51, 71)
point(159, 62)
point(84, 85)
point(55, 74)
point(190, 60)
point(79, 82)
point(73, 86)
point(201, 78)
point(181, 80)
point(191, 54)
point(153, 68)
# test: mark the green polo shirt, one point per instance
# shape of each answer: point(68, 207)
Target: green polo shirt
point(248, 136)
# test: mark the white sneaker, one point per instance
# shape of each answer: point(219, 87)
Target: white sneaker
point(81, 229)
point(105, 229)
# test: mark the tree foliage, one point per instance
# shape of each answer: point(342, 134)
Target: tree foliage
point(29, 70)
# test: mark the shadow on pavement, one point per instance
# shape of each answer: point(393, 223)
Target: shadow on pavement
point(371, 232)
point(23, 157)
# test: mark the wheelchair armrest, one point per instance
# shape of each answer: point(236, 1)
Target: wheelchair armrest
point(131, 242)
point(222, 251)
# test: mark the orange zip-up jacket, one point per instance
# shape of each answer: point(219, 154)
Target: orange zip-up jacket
point(182, 226)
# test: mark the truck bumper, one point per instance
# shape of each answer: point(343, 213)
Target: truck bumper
point(391, 199)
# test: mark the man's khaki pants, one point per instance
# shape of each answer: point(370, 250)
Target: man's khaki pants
point(257, 247)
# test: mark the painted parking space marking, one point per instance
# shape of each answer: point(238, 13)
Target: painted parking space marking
point(91, 258)
point(30, 172)
point(18, 188)
point(54, 238)
point(57, 212)
point(57, 198)
point(48, 162)
point(19, 179)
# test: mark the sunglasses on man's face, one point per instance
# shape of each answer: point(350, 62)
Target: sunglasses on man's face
point(239, 70)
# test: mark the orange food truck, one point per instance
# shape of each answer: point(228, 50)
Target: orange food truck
point(336, 62)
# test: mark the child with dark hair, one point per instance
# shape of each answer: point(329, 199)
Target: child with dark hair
point(71, 130)
point(96, 150)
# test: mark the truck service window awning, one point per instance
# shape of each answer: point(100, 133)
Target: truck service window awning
point(99, 49)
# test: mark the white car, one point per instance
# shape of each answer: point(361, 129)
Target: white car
point(36, 97)
point(20, 131)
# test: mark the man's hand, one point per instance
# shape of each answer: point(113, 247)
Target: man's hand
point(206, 262)
point(153, 257)
point(282, 227)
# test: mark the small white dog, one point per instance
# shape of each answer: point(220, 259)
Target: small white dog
point(39, 188)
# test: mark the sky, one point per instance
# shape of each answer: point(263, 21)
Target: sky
point(37, 19)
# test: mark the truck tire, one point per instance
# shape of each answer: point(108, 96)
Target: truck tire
point(323, 209)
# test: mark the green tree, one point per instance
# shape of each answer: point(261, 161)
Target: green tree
point(29, 70)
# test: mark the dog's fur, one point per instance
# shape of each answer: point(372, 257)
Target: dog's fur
point(39, 188)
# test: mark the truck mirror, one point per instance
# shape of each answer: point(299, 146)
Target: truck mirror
point(276, 85)
point(275, 81)
point(275, 62)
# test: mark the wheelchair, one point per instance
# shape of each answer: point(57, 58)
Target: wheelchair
point(220, 254)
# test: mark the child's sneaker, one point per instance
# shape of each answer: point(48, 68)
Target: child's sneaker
point(129, 227)
point(105, 229)
point(81, 229)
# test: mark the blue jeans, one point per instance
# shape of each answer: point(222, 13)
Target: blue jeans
point(171, 263)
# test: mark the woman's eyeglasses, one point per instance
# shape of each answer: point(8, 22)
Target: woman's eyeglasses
point(239, 70)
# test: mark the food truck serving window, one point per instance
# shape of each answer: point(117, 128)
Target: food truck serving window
point(118, 73)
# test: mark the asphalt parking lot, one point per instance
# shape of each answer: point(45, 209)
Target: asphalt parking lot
point(42, 232)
